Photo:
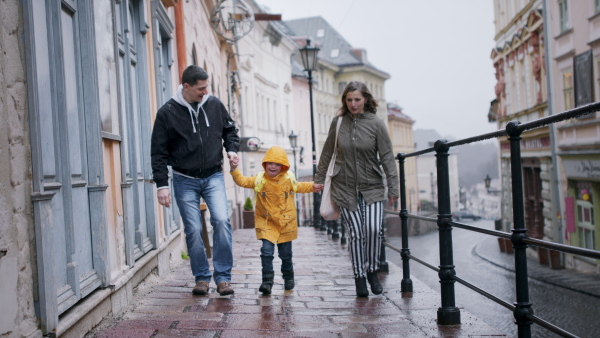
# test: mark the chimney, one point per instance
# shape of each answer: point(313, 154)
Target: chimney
point(360, 53)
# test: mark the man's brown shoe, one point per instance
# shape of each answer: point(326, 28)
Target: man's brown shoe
point(224, 288)
point(201, 288)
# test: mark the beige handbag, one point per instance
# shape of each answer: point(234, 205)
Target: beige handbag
point(329, 210)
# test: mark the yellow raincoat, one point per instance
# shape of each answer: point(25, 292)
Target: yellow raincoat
point(275, 214)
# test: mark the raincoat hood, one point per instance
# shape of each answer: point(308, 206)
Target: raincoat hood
point(277, 155)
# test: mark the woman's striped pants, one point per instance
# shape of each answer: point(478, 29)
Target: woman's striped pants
point(364, 229)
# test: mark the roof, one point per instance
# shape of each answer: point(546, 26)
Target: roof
point(333, 47)
point(395, 110)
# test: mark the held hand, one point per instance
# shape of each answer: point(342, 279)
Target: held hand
point(392, 200)
point(231, 155)
point(233, 164)
point(164, 197)
point(317, 187)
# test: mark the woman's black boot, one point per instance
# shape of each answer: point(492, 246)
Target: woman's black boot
point(376, 287)
point(361, 287)
point(267, 282)
point(288, 278)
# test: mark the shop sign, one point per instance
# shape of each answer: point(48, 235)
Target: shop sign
point(535, 143)
point(582, 168)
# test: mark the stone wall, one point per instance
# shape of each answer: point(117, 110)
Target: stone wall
point(17, 242)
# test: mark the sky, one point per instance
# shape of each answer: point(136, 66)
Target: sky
point(437, 53)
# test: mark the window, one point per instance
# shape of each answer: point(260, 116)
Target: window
point(596, 6)
point(564, 15)
point(342, 85)
point(320, 33)
point(568, 98)
point(335, 53)
point(585, 216)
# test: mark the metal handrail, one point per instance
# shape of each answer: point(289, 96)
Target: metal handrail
point(448, 313)
point(490, 296)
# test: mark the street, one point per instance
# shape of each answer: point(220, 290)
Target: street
point(570, 310)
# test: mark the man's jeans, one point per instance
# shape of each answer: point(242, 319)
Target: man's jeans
point(187, 194)
point(268, 251)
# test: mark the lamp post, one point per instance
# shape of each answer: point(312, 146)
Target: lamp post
point(309, 61)
point(294, 143)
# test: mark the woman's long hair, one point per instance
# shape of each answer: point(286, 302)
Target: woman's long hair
point(370, 102)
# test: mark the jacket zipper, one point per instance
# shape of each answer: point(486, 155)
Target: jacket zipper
point(356, 181)
point(201, 143)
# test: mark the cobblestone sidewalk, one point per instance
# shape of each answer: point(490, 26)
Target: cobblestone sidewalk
point(323, 303)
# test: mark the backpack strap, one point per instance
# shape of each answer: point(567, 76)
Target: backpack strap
point(292, 178)
point(259, 182)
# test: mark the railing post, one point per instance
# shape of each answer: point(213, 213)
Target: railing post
point(343, 239)
point(522, 306)
point(448, 314)
point(406, 285)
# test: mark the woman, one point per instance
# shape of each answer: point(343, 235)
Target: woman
point(357, 183)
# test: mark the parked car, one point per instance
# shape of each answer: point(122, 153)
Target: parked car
point(462, 214)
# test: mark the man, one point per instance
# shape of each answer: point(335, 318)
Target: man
point(189, 134)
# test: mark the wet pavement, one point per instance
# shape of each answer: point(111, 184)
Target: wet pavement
point(566, 298)
point(488, 250)
point(323, 303)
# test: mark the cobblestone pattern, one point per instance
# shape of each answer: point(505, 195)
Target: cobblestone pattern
point(323, 303)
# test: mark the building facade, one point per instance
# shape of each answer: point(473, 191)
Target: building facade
point(81, 82)
point(574, 44)
point(521, 94)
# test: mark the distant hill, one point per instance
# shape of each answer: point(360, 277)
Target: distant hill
point(477, 160)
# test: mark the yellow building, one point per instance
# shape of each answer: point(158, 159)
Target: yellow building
point(401, 132)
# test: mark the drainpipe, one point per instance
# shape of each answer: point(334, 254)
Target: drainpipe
point(556, 192)
point(180, 36)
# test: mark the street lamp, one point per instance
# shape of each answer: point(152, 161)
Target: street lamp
point(294, 143)
point(309, 61)
point(488, 181)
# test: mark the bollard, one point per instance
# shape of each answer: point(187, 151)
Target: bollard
point(448, 313)
point(334, 229)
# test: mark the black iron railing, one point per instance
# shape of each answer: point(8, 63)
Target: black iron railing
point(448, 313)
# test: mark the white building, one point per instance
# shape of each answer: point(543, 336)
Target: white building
point(427, 171)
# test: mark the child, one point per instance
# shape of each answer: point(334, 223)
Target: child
point(275, 215)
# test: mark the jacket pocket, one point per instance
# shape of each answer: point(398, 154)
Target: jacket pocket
point(288, 224)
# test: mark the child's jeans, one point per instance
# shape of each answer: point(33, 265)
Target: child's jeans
point(267, 253)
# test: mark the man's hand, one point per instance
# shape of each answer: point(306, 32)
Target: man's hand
point(164, 197)
point(231, 155)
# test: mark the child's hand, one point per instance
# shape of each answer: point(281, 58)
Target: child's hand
point(317, 187)
point(233, 163)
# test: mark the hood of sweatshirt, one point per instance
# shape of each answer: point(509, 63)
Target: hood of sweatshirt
point(178, 97)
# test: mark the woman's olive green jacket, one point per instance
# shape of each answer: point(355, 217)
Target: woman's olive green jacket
point(363, 149)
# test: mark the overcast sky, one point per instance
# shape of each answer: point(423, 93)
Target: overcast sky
point(436, 51)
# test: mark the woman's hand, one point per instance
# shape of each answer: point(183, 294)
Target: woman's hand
point(392, 200)
point(317, 187)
